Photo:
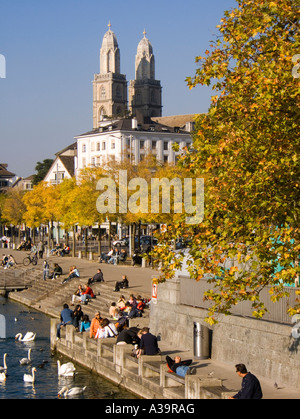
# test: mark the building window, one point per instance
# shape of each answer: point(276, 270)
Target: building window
point(154, 145)
point(84, 148)
point(98, 146)
point(113, 145)
point(166, 159)
point(166, 145)
point(142, 145)
point(118, 92)
point(104, 145)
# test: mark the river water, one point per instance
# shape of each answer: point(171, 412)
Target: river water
point(21, 319)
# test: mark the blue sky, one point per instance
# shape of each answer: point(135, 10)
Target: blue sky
point(52, 53)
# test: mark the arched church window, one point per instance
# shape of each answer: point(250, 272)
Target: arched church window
point(118, 92)
point(119, 110)
point(138, 98)
point(110, 62)
point(153, 96)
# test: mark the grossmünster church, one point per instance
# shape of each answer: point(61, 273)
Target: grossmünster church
point(113, 97)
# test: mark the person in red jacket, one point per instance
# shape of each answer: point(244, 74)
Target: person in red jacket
point(87, 294)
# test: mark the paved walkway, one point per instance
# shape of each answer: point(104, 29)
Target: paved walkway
point(140, 282)
point(139, 278)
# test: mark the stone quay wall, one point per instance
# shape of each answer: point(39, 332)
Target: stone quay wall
point(147, 377)
point(267, 348)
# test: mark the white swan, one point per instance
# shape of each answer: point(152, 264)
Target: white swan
point(2, 376)
point(26, 361)
point(4, 368)
point(67, 370)
point(30, 378)
point(75, 391)
point(29, 337)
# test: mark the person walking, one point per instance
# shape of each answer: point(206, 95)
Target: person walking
point(46, 270)
point(251, 388)
point(41, 249)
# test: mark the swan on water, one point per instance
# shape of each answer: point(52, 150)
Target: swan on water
point(75, 391)
point(67, 370)
point(29, 337)
point(2, 376)
point(4, 368)
point(26, 361)
point(30, 378)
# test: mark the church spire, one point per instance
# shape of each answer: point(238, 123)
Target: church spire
point(145, 92)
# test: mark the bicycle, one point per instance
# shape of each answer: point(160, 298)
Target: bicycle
point(30, 259)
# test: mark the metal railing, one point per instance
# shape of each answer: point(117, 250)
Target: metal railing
point(192, 293)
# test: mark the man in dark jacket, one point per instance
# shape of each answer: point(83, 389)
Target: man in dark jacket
point(98, 277)
point(128, 335)
point(148, 343)
point(251, 388)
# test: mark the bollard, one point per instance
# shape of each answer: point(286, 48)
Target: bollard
point(201, 341)
point(91, 256)
point(79, 254)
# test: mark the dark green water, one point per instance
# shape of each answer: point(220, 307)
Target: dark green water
point(47, 384)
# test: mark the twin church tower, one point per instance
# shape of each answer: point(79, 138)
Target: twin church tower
point(110, 86)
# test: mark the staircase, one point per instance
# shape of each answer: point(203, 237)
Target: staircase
point(49, 296)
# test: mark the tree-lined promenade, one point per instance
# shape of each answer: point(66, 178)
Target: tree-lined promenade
point(76, 201)
point(246, 148)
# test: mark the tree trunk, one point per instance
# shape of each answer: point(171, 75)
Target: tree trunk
point(74, 243)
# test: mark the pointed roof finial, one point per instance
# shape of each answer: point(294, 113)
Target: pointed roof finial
point(144, 33)
point(109, 25)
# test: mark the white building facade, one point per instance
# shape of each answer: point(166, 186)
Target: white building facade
point(125, 139)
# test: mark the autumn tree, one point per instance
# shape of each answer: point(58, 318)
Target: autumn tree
point(86, 200)
point(67, 208)
point(35, 214)
point(247, 148)
point(14, 208)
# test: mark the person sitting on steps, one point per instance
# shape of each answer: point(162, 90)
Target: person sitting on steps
point(98, 277)
point(122, 284)
point(74, 273)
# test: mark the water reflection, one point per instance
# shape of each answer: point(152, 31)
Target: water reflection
point(47, 385)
